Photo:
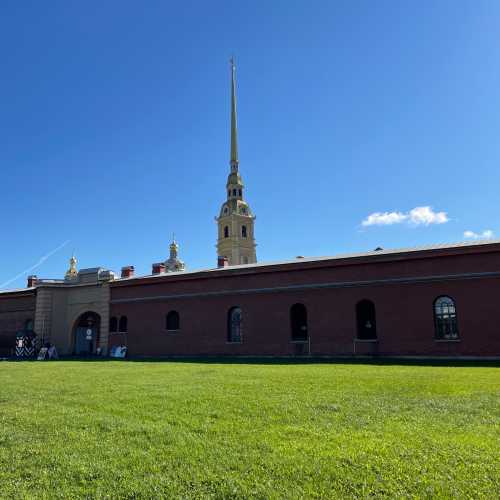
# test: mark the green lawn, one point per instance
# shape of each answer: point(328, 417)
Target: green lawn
point(222, 430)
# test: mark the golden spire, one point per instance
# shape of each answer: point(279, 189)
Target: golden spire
point(234, 130)
point(72, 272)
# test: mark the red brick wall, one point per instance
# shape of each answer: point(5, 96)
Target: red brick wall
point(15, 309)
point(405, 323)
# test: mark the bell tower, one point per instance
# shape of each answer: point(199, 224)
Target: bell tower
point(235, 222)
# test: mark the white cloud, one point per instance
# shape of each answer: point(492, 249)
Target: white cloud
point(384, 219)
point(426, 216)
point(417, 216)
point(487, 234)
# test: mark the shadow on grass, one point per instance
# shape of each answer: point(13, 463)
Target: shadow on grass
point(230, 360)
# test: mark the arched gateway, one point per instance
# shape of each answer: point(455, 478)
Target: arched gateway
point(86, 333)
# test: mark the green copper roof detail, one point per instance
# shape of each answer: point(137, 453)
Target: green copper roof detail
point(234, 130)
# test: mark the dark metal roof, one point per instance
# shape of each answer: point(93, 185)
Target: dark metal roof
point(301, 260)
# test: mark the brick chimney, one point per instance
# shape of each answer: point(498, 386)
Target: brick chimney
point(127, 271)
point(32, 279)
point(222, 262)
point(158, 268)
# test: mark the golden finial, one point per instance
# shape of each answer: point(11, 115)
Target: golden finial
point(72, 272)
point(174, 247)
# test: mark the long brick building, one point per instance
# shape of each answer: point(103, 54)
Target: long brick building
point(433, 301)
point(437, 301)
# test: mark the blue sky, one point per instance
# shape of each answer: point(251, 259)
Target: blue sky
point(114, 123)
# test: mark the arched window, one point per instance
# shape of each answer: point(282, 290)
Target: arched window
point(298, 322)
point(234, 325)
point(226, 232)
point(122, 326)
point(28, 325)
point(239, 192)
point(113, 324)
point(244, 231)
point(445, 318)
point(229, 192)
point(365, 318)
point(234, 192)
point(173, 321)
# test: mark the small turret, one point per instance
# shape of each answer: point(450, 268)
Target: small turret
point(72, 272)
point(174, 264)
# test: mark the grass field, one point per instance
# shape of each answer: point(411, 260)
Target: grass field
point(177, 429)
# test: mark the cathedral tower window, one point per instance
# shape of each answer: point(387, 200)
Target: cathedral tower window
point(244, 231)
point(226, 231)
